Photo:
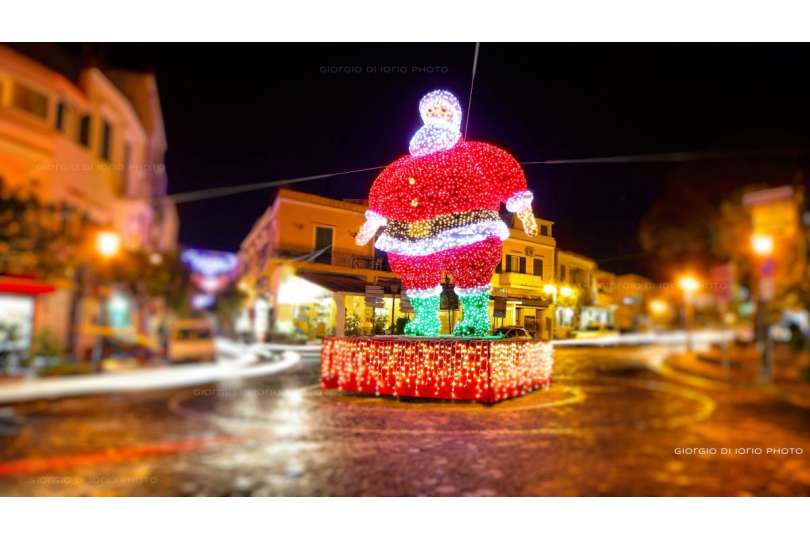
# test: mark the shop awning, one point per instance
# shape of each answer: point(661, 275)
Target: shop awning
point(337, 283)
point(24, 285)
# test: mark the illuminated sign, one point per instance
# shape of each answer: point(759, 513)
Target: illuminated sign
point(209, 263)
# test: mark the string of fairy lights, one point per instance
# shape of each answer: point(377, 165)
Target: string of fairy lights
point(668, 157)
point(438, 210)
point(482, 370)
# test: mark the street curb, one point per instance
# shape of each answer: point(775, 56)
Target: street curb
point(153, 379)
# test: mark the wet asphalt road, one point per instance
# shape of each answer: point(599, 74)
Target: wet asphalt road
point(607, 426)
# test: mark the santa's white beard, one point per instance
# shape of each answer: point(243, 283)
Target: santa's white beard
point(431, 138)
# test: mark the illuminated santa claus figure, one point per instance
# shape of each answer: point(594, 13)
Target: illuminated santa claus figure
point(438, 207)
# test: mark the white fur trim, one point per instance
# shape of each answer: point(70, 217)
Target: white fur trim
point(375, 219)
point(424, 293)
point(474, 290)
point(448, 239)
point(519, 201)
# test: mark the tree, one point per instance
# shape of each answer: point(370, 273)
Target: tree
point(228, 305)
point(699, 221)
point(168, 278)
point(38, 238)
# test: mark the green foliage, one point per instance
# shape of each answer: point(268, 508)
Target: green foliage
point(699, 220)
point(352, 325)
point(228, 306)
point(169, 279)
point(60, 370)
point(380, 325)
point(400, 325)
point(39, 238)
point(9, 333)
point(44, 343)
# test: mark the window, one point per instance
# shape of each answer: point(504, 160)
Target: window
point(106, 140)
point(499, 268)
point(323, 241)
point(84, 130)
point(537, 267)
point(125, 168)
point(60, 116)
point(516, 263)
point(543, 230)
point(562, 272)
point(29, 100)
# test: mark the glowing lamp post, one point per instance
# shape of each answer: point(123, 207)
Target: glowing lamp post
point(689, 285)
point(762, 245)
point(658, 309)
point(108, 244)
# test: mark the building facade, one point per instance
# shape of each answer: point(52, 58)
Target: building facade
point(519, 286)
point(91, 141)
point(306, 276)
point(304, 272)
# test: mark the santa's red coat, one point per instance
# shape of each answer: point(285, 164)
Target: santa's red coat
point(469, 176)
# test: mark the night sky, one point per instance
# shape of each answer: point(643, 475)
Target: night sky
point(249, 113)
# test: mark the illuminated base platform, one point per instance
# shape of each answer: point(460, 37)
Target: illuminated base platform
point(475, 369)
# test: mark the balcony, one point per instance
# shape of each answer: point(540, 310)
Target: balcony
point(341, 259)
point(520, 281)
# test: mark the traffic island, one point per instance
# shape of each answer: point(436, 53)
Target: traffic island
point(474, 369)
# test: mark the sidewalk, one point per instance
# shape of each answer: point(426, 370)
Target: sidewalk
point(738, 370)
point(234, 361)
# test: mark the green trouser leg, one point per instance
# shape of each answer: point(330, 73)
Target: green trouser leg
point(476, 316)
point(426, 322)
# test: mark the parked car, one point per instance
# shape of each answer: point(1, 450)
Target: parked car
point(120, 354)
point(513, 332)
point(191, 340)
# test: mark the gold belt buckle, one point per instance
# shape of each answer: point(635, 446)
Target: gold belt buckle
point(419, 229)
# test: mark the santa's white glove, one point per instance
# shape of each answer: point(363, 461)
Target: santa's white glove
point(373, 222)
point(521, 204)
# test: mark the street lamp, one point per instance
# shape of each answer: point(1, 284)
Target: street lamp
point(763, 246)
point(108, 244)
point(689, 284)
point(658, 307)
point(566, 291)
point(551, 291)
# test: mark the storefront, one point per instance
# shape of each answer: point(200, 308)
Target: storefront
point(309, 305)
point(18, 317)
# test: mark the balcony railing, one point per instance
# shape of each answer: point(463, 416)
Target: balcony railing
point(517, 279)
point(338, 258)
